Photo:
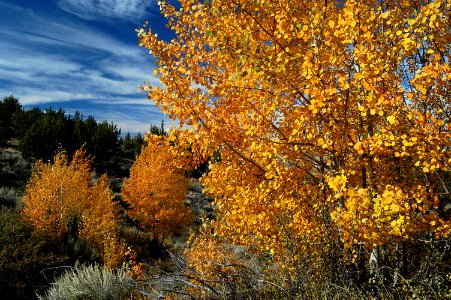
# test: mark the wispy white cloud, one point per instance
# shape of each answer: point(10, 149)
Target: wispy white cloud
point(37, 71)
point(133, 72)
point(65, 35)
point(95, 9)
point(129, 123)
point(33, 62)
point(41, 96)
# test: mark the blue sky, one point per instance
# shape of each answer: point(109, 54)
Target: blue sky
point(80, 55)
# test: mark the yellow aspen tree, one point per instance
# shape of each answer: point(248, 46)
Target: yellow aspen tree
point(331, 117)
point(61, 197)
point(100, 221)
point(156, 190)
point(56, 193)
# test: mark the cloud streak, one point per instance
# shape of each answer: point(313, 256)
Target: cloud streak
point(94, 9)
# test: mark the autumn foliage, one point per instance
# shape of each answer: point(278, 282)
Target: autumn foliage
point(63, 198)
point(331, 118)
point(156, 190)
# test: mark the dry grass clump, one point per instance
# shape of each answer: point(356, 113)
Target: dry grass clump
point(90, 282)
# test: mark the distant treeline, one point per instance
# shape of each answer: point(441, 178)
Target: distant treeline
point(41, 133)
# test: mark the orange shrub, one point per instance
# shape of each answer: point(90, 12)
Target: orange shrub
point(156, 190)
point(61, 198)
